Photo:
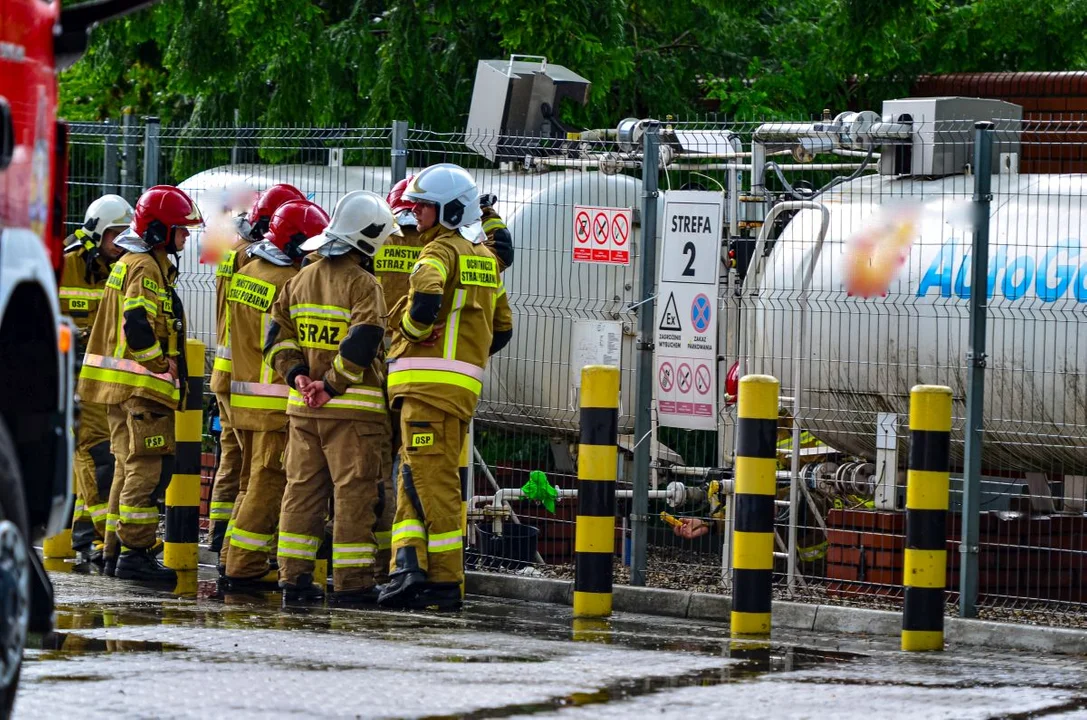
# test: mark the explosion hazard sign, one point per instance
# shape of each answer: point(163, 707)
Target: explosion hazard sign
point(602, 235)
point(686, 337)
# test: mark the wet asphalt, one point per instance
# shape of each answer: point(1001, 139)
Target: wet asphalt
point(122, 650)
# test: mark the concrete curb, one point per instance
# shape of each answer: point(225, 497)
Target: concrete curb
point(830, 619)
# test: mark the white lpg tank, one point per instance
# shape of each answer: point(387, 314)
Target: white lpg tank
point(530, 382)
point(861, 356)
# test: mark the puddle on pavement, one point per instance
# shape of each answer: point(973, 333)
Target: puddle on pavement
point(491, 659)
point(61, 645)
point(755, 660)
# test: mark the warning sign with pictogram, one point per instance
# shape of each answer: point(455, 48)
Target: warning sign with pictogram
point(620, 233)
point(686, 336)
point(602, 235)
point(582, 234)
point(670, 316)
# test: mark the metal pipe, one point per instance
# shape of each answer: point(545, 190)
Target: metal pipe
point(751, 282)
point(792, 167)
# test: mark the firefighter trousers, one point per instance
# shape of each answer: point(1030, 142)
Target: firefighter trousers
point(348, 459)
point(142, 435)
point(428, 503)
point(224, 491)
point(93, 469)
point(254, 523)
point(244, 439)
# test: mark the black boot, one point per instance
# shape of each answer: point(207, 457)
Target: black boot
point(438, 597)
point(143, 565)
point(109, 565)
point(218, 533)
point(358, 598)
point(303, 592)
point(405, 582)
point(249, 586)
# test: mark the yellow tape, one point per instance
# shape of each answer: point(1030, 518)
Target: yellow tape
point(594, 534)
point(926, 490)
point(925, 568)
point(752, 551)
point(758, 397)
point(756, 476)
point(597, 462)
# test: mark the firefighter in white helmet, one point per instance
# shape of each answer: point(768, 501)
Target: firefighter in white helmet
point(326, 340)
point(88, 255)
point(456, 316)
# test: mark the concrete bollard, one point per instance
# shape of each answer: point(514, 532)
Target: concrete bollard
point(597, 467)
point(181, 551)
point(924, 573)
point(756, 488)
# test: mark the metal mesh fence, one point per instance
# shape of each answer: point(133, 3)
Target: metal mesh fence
point(793, 301)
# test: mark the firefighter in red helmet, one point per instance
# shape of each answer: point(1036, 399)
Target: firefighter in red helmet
point(258, 394)
point(135, 365)
point(251, 228)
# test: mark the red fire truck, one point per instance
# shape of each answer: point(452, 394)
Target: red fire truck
point(37, 363)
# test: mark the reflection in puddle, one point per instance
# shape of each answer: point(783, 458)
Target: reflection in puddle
point(57, 645)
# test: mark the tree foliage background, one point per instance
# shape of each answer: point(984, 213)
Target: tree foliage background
point(356, 62)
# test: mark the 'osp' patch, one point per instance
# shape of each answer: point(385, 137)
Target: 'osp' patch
point(419, 440)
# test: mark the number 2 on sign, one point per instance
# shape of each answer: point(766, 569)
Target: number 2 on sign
point(688, 249)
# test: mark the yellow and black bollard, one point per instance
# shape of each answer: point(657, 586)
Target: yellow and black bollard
point(181, 551)
point(756, 489)
point(928, 483)
point(597, 466)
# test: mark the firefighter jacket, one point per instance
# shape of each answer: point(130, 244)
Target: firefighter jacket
point(258, 394)
point(140, 324)
point(456, 316)
point(498, 239)
point(82, 282)
point(328, 324)
point(393, 264)
point(234, 259)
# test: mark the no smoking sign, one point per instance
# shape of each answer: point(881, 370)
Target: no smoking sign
point(601, 235)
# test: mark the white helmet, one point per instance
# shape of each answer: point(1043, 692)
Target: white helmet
point(361, 219)
point(108, 211)
point(452, 189)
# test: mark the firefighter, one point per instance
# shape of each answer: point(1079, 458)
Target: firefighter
point(498, 239)
point(327, 340)
point(456, 316)
point(88, 255)
point(250, 228)
point(258, 395)
point(135, 365)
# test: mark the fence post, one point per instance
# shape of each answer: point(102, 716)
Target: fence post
point(597, 467)
point(183, 493)
point(643, 394)
point(976, 357)
point(128, 159)
point(928, 482)
point(398, 159)
point(109, 167)
point(235, 150)
point(756, 489)
point(150, 152)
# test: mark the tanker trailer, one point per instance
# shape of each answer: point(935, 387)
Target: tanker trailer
point(860, 357)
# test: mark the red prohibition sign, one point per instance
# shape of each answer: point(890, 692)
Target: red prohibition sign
point(601, 228)
point(581, 227)
point(620, 229)
point(666, 377)
point(684, 378)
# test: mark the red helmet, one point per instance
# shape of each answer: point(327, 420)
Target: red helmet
point(293, 223)
point(162, 208)
point(394, 198)
point(270, 200)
